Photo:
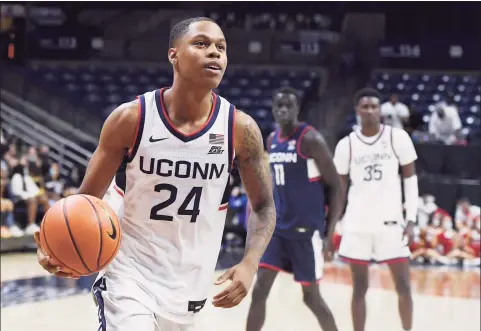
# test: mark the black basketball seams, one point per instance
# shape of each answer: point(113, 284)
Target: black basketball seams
point(44, 231)
point(100, 228)
point(119, 237)
point(71, 236)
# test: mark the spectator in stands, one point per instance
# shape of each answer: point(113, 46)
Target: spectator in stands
point(466, 214)
point(11, 157)
point(472, 244)
point(54, 184)
point(6, 207)
point(426, 207)
point(444, 242)
point(3, 146)
point(23, 188)
point(35, 168)
point(427, 229)
point(43, 156)
point(419, 245)
point(445, 124)
point(394, 112)
point(9, 228)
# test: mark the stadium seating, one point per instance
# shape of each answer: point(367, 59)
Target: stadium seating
point(270, 21)
point(421, 91)
point(103, 88)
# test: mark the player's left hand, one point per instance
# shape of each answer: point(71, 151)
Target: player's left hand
point(242, 276)
point(409, 232)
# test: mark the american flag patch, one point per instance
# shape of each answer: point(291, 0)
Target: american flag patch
point(216, 139)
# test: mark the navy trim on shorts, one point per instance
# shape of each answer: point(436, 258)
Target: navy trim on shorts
point(140, 130)
point(99, 286)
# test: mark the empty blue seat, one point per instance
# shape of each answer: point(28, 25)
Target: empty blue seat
point(104, 88)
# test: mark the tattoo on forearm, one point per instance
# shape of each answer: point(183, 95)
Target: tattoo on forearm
point(256, 179)
point(259, 232)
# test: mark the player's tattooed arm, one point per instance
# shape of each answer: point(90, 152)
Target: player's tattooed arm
point(314, 146)
point(116, 138)
point(256, 179)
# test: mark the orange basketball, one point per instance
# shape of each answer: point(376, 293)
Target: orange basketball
point(81, 233)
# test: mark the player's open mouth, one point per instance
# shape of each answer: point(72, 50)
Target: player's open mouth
point(213, 67)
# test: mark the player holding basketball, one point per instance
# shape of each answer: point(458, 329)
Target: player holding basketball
point(181, 143)
point(373, 224)
point(298, 155)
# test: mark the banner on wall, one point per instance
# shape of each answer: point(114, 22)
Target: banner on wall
point(271, 47)
point(431, 54)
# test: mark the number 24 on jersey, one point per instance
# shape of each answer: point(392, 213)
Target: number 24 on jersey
point(194, 195)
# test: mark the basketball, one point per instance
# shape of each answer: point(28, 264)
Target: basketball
point(81, 233)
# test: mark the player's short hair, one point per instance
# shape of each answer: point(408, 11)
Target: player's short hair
point(287, 90)
point(366, 92)
point(180, 28)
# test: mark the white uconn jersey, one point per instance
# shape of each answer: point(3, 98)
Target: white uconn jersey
point(174, 210)
point(372, 164)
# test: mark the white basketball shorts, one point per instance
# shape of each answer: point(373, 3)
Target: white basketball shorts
point(386, 245)
point(119, 311)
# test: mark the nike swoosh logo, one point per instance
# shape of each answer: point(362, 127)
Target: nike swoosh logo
point(112, 235)
point(152, 140)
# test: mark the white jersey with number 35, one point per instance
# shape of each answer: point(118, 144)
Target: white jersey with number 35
point(372, 164)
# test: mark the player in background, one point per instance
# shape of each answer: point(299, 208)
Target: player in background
point(180, 143)
point(373, 223)
point(298, 156)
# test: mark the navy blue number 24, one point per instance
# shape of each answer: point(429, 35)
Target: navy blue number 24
point(194, 194)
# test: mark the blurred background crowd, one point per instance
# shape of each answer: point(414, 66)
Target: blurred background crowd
point(57, 88)
point(30, 183)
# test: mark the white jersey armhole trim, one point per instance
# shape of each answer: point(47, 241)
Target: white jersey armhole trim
point(138, 130)
point(392, 146)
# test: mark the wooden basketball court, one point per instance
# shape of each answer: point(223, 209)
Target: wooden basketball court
point(444, 300)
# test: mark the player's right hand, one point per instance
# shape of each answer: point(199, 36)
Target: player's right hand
point(328, 249)
point(409, 232)
point(242, 276)
point(49, 264)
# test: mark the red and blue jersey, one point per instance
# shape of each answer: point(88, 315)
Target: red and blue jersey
point(298, 192)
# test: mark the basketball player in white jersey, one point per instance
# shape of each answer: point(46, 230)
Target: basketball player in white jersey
point(374, 228)
point(181, 144)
